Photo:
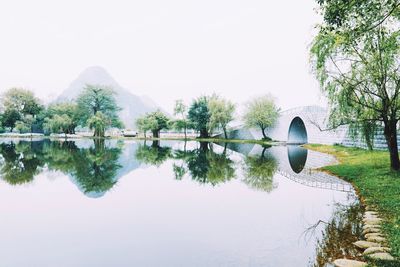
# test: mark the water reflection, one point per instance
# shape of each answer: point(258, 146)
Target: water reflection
point(339, 234)
point(266, 223)
point(154, 154)
point(21, 162)
point(93, 168)
point(202, 163)
point(297, 157)
point(259, 171)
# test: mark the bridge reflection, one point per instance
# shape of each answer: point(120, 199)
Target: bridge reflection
point(299, 165)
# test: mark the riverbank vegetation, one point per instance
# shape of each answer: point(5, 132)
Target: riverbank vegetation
point(377, 185)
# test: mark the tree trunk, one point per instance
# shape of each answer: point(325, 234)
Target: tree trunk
point(391, 140)
point(185, 131)
point(203, 133)
point(225, 133)
point(156, 144)
point(263, 132)
point(204, 146)
point(156, 134)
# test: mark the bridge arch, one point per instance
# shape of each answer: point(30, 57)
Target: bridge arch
point(297, 133)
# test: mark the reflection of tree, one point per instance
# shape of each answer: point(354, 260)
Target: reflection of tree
point(337, 239)
point(154, 154)
point(259, 171)
point(206, 166)
point(97, 167)
point(21, 161)
point(93, 168)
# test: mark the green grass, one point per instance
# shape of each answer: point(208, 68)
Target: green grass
point(377, 185)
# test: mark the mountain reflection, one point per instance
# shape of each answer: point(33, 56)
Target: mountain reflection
point(95, 166)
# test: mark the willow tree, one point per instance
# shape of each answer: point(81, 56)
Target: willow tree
point(261, 113)
point(98, 109)
point(356, 60)
point(222, 113)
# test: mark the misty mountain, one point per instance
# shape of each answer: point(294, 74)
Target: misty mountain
point(132, 105)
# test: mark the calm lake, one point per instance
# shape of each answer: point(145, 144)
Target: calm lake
point(128, 203)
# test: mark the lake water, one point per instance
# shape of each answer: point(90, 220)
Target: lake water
point(128, 203)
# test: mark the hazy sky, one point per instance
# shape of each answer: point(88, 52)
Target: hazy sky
point(164, 49)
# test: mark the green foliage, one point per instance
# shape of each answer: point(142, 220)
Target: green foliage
point(94, 99)
point(62, 118)
point(98, 123)
point(355, 57)
point(206, 166)
point(180, 110)
point(199, 116)
point(259, 172)
point(222, 112)
point(94, 168)
point(10, 118)
point(142, 125)
point(261, 112)
point(360, 16)
point(21, 108)
point(154, 154)
point(22, 162)
point(22, 101)
point(154, 121)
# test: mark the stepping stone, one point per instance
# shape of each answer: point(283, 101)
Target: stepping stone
point(366, 244)
point(371, 213)
point(371, 226)
point(372, 250)
point(348, 263)
point(381, 256)
point(377, 239)
point(372, 230)
point(372, 235)
point(372, 221)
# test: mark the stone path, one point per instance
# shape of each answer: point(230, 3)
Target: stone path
point(375, 245)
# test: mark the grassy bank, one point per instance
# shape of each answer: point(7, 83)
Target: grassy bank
point(377, 185)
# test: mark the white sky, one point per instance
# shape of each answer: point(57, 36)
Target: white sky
point(164, 49)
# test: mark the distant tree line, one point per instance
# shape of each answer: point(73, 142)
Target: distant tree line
point(95, 108)
point(206, 114)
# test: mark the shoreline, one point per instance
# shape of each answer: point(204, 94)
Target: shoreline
point(369, 174)
point(182, 139)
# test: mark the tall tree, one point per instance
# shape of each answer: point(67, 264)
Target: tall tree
point(156, 121)
point(23, 102)
point(10, 118)
point(199, 116)
point(180, 110)
point(222, 112)
point(142, 125)
point(261, 112)
point(355, 57)
point(94, 99)
point(62, 117)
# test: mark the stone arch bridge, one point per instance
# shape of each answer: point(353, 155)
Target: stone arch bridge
point(305, 124)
